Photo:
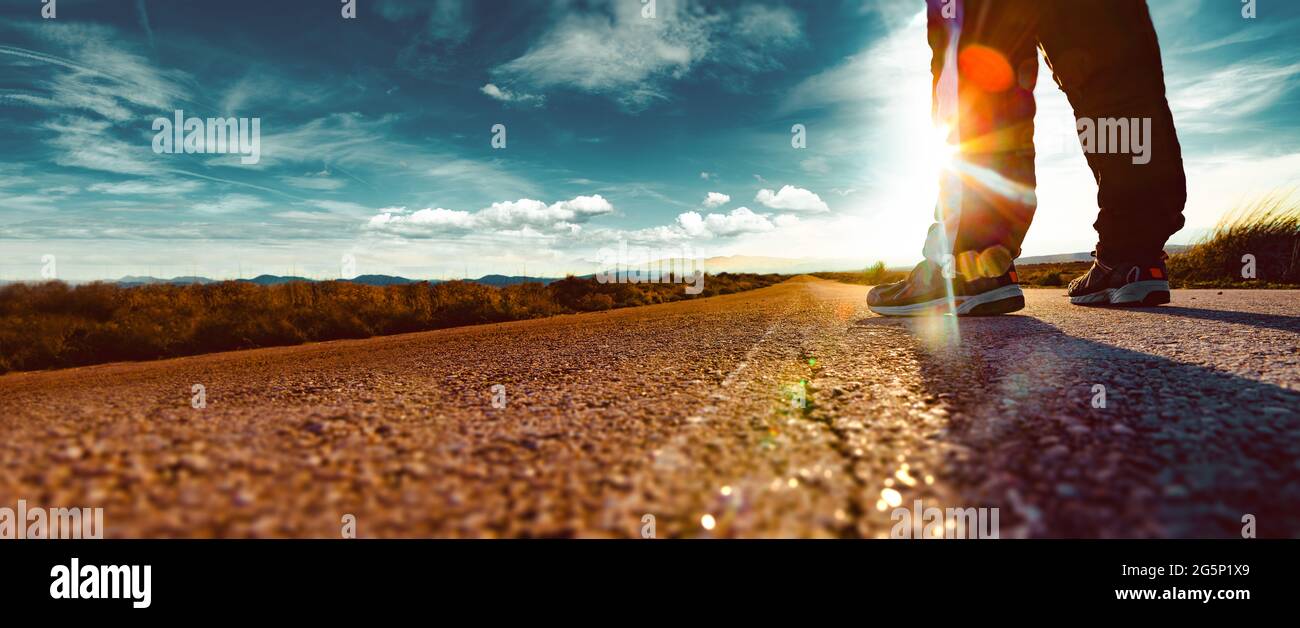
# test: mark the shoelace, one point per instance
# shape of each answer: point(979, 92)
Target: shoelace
point(1097, 260)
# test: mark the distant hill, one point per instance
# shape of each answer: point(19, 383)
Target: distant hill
point(384, 280)
point(712, 265)
point(503, 280)
point(1063, 258)
point(1081, 257)
point(272, 280)
point(781, 265)
point(756, 264)
point(140, 280)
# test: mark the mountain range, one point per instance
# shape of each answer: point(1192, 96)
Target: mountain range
point(712, 265)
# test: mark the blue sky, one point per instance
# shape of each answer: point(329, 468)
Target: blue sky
point(376, 132)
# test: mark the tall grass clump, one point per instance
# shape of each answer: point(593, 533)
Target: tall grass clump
point(1267, 229)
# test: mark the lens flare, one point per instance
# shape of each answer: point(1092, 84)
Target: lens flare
point(987, 68)
point(941, 150)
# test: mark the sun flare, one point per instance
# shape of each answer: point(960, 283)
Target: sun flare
point(939, 150)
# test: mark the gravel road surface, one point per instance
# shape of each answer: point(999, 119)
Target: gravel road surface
point(1076, 422)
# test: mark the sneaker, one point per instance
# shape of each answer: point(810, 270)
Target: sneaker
point(925, 292)
point(1121, 285)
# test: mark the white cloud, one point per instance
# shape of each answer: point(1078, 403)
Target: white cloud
point(739, 221)
point(563, 223)
point(437, 219)
point(716, 199)
point(523, 215)
point(508, 96)
point(791, 198)
point(531, 213)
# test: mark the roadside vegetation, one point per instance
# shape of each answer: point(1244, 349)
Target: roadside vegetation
point(874, 275)
point(54, 325)
point(1268, 231)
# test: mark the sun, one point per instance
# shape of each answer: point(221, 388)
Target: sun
point(939, 151)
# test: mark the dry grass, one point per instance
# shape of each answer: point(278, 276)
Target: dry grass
point(1268, 229)
point(52, 325)
point(1050, 275)
point(874, 276)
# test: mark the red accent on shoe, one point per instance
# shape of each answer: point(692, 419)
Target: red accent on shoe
point(1155, 272)
point(1014, 278)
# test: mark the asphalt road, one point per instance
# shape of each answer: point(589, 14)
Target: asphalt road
point(689, 412)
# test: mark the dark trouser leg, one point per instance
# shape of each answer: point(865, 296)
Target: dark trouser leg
point(985, 66)
point(1106, 58)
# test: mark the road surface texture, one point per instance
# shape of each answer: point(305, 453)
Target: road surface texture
point(690, 412)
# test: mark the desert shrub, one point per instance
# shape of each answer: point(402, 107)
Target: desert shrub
point(1050, 280)
point(595, 302)
point(875, 275)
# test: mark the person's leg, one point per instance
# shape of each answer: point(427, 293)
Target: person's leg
point(985, 66)
point(1106, 58)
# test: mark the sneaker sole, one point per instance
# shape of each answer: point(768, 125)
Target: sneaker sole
point(1004, 300)
point(1136, 294)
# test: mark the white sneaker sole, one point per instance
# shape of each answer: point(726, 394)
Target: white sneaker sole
point(1001, 301)
point(1153, 292)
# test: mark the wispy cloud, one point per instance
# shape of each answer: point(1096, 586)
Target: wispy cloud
point(1225, 99)
point(619, 52)
point(146, 188)
point(508, 96)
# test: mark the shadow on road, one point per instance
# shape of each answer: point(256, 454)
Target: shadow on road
point(1078, 438)
point(1267, 321)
